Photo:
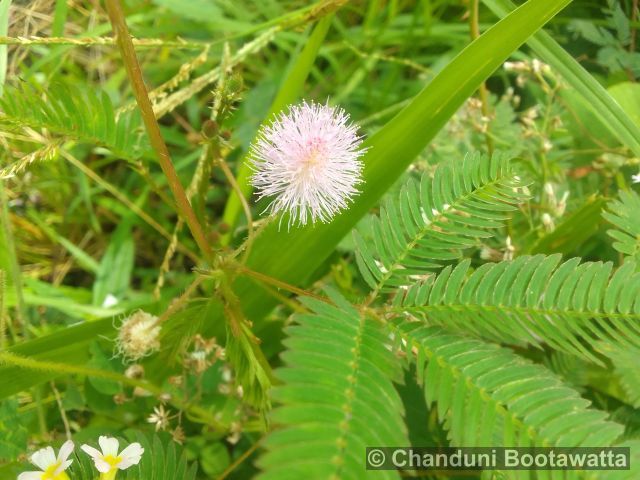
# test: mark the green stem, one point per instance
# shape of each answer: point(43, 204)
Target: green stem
point(14, 266)
point(482, 91)
point(110, 475)
point(63, 368)
point(123, 37)
point(16, 278)
point(3, 325)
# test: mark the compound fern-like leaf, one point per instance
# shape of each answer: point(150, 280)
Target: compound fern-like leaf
point(488, 396)
point(573, 307)
point(432, 223)
point(625, 364)
point(337, 397)
point(623, 213)
point(81, 115)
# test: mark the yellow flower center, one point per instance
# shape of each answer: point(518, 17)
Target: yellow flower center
point(50, 473)
point(111, 460)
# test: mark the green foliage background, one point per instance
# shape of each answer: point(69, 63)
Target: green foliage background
point(483, 289)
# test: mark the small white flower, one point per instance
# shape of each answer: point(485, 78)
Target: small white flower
point(160, 417)
point(516, 67)
point(509, 249)
point(540, 67)
point(562, 205)
point(635, 178)
point(536, 65)
point(51, 467)
point(109, 461)
point(109, 301)
point(549, 190)
point(307, 161)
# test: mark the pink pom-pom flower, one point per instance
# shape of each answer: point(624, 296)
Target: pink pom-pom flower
point(307, 161)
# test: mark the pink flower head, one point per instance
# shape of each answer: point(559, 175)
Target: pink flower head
point(308, 161)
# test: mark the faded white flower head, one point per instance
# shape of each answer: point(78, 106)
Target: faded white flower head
point(138, 336)
point(308, 162)
point(635, 178)
point(51, 467)
point(109, 461)
point(160, 418)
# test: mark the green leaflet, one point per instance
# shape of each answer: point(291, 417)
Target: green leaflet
point(434, 222)
point(574, 307)
point(489, 396)
point(337, 398)
point(623, 214)
point(81, 115)
point(625, 363)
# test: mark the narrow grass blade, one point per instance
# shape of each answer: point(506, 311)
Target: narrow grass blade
point(4, 28)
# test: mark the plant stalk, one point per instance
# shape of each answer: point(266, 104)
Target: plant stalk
point(474, 26)
point(123, 39)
